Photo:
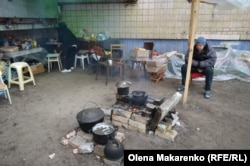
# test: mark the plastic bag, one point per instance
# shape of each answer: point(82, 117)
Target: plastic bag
point(86, 147)
point(102, 36)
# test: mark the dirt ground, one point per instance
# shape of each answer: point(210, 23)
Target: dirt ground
point(41, 115)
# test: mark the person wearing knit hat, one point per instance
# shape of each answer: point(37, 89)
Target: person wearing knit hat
point(204, 58)
point(202, 41)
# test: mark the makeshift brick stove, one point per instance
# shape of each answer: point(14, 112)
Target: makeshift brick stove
point(136, 111)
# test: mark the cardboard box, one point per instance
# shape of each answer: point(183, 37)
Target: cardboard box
point(36, 69)
point(137, 53)
point(156, 69)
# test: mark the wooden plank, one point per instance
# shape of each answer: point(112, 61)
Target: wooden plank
point(192, 30)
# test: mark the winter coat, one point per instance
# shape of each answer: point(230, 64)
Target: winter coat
point(206, 58)
point(66, 37)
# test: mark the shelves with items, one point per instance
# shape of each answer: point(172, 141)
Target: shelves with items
point(8, 24)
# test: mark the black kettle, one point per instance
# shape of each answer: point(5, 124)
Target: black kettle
point(114, 149)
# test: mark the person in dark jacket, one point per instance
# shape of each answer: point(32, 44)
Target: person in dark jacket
point(204, 58)
point(69, 47)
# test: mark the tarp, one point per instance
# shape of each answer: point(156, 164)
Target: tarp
point(230, 64)
point(229, 4)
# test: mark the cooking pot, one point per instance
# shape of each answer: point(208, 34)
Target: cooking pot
point(87, 118)
point(103, 131)
point(123, 87)
point(139, 101)
point(138, 98)
point(113, 150)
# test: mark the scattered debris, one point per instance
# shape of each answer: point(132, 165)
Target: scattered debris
point(65, 141)
point(51, 156)
point(120, 136)
point(75, 151)
point(76, 141)
point(71, 134)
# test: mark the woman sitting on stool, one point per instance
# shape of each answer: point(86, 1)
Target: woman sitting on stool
point(204, 58)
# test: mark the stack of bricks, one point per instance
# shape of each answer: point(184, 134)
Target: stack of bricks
point(138, 123)
point(149, 117)
point(165, 131)
point(120, 117)
point(130, 120)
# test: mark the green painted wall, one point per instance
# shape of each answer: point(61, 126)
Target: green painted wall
point(29, 8)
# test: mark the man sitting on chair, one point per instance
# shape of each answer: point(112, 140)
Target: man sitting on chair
point(204, 58)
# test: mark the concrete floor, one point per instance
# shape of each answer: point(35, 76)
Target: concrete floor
point(41, 115)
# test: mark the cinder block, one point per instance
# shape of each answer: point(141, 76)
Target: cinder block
point(137, 126)
point(141, 130)
point(133, 128)
point(99, 150)
point(120, 119)
point(120, 124)
point(86, 136)
point(76, 141)
point(123, 113)
point(117, 123)
point(132, 123)
point(141, 126)
point(169, 134)
point(118, 162)
point(139, 118)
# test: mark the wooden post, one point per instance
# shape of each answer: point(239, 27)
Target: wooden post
point(192, 30)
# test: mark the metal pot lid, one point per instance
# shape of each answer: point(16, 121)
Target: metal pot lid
point(123, 84)
point(90, 115)
point(138, 93)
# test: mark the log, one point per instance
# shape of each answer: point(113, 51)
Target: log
point(169, 104)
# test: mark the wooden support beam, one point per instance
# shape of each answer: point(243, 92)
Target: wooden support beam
point(192, 30)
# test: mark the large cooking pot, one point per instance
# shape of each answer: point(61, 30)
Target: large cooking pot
point(102, 132)
point(123, 87)
point(87, 118)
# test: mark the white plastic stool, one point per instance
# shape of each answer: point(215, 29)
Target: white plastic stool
point(81, 55)
point(55, 57)
point(20, 79)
